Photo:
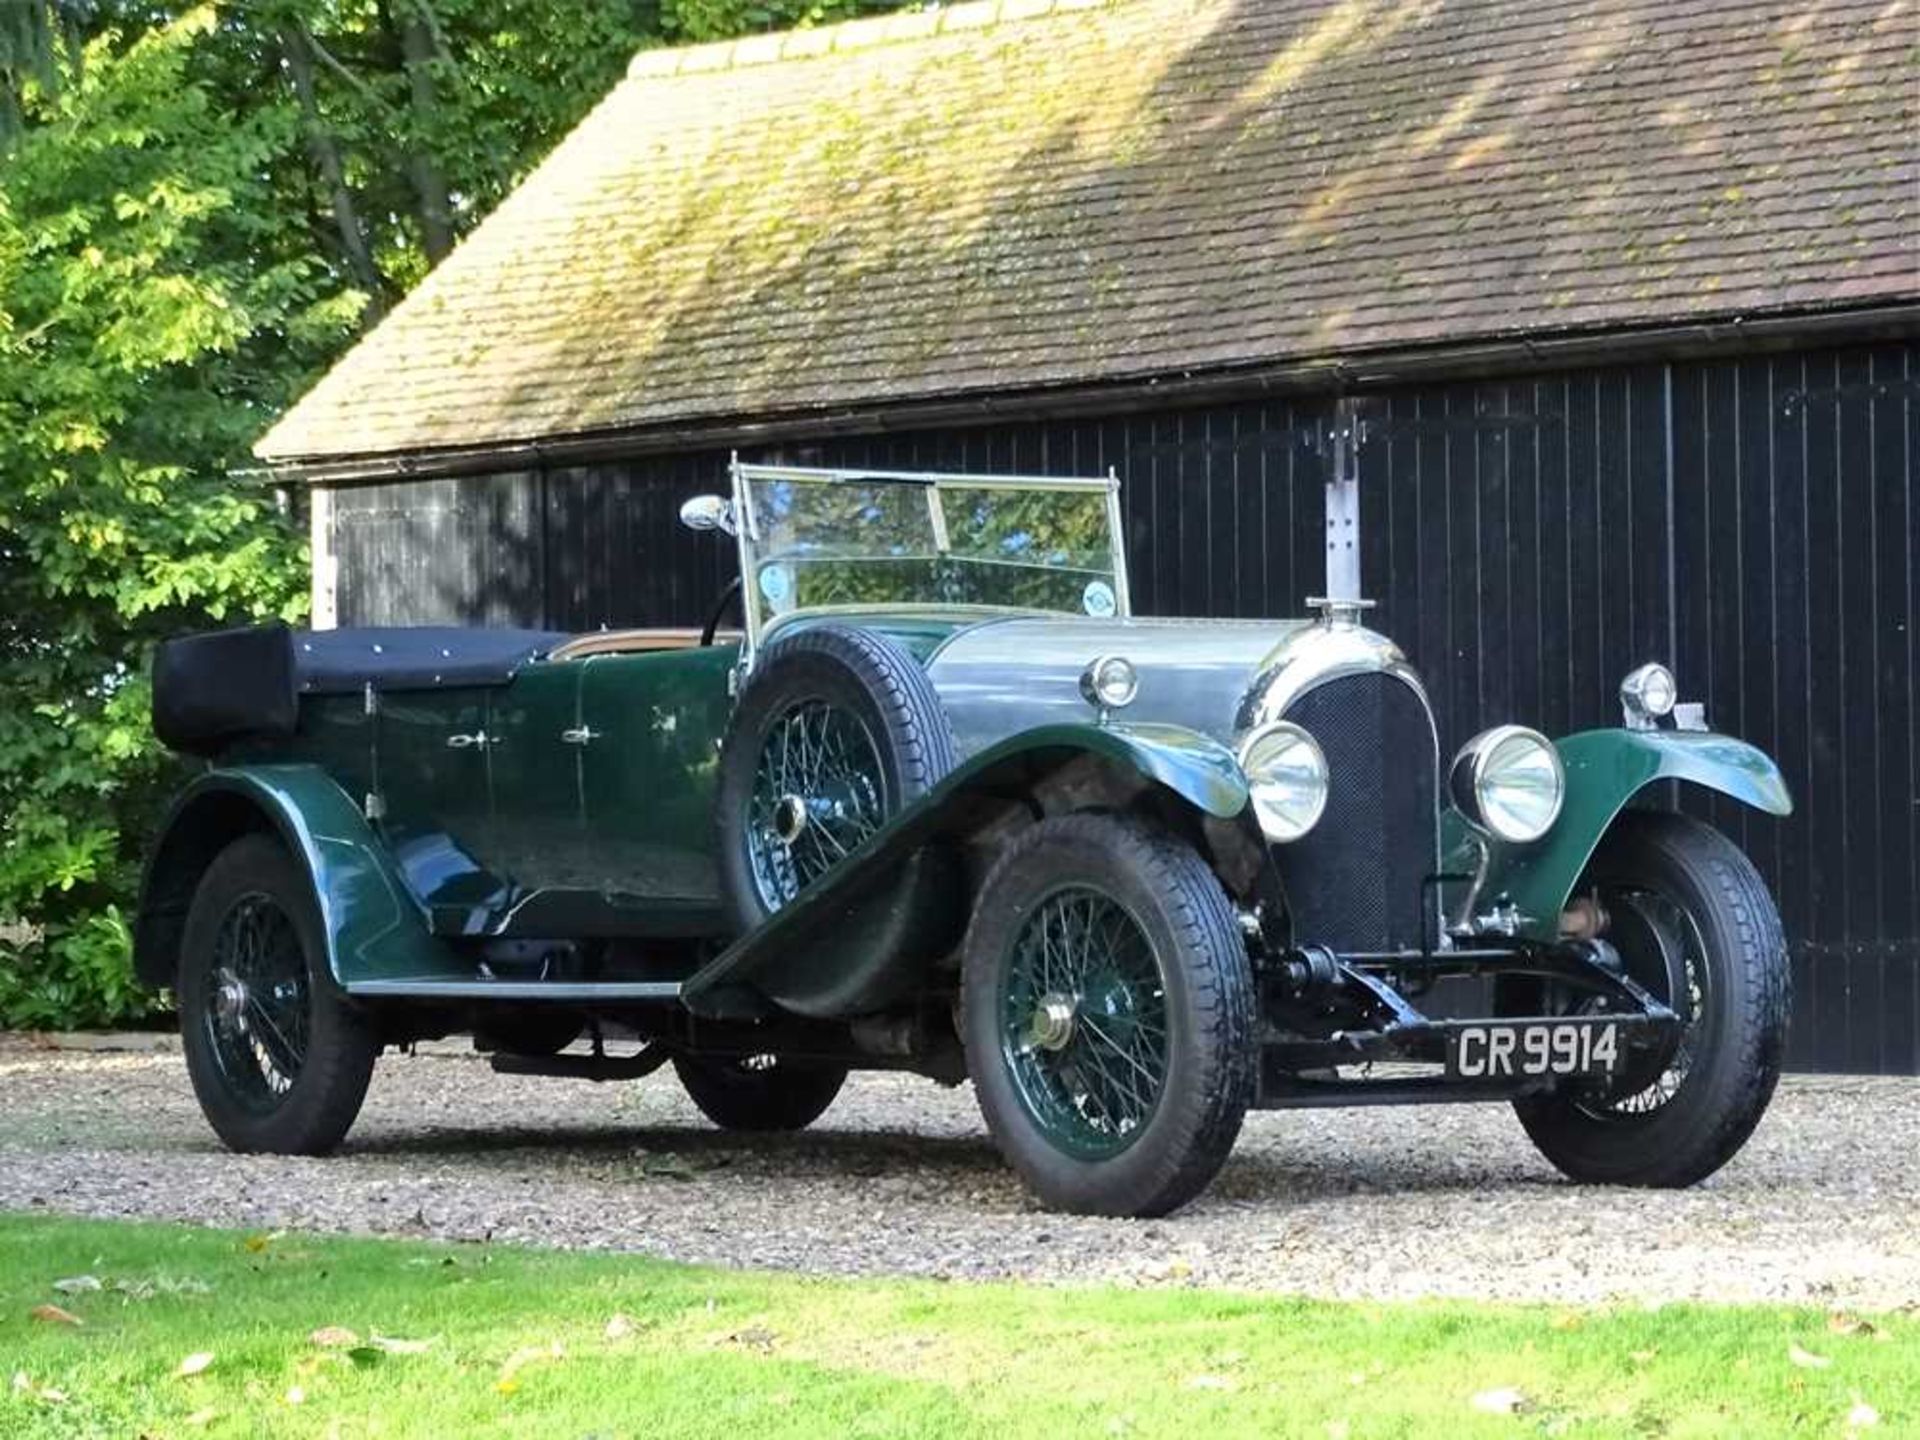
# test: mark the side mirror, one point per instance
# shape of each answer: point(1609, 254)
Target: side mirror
point(708, 512)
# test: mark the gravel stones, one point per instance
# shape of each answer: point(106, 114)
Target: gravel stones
point(1823, 1206)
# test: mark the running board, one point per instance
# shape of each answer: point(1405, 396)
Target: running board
point(570, 992)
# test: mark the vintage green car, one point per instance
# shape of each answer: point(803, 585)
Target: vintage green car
point(944, 804)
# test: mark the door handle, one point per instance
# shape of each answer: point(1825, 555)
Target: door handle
point(479, 740)
point(579, 735)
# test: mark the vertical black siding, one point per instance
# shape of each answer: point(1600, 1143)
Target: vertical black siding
point(1750, 521)
point(1529, 541)
point(454, 552)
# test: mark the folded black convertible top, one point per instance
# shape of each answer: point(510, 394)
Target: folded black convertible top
point(220, 686)
point(330, 662)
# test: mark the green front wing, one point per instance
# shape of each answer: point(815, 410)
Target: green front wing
point(858, 939)
point(1605, 770)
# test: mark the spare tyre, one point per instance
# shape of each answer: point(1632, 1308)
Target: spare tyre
point(836, 731)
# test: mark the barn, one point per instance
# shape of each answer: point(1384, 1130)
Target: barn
point(1607, 310)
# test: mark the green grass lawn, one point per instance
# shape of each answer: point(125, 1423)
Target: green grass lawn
point(475, 1341)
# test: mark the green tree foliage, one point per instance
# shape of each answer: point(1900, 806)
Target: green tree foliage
point(696, 20)
point(143, 313)
point(34, 37)
point(200, 207)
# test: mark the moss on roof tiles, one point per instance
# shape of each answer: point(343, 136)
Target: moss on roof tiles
point(1004, 195)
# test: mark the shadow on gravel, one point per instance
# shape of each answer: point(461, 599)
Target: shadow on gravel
point(819, 1148)
point(857, 1155)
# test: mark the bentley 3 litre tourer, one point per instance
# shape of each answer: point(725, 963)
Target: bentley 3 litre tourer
point(942, 803)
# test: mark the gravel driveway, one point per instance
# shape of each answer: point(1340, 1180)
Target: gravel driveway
point(899, 1178)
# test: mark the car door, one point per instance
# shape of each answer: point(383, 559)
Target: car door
point(648, 774)
point(432, 769)
point(535, 838)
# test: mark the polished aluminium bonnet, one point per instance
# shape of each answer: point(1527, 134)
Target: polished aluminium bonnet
point(1223, 678)
point(1008, 675)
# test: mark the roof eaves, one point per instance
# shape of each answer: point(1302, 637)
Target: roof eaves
point(1509, 354)
point(849, 35)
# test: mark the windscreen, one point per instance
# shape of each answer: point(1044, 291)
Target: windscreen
point(819, 541)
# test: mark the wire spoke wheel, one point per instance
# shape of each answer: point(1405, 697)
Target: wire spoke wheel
point(1659, 941)
point(280, 1059)
point(1107, 1008)
point(258, 1025)
point(818, 793)
point(1083, 1020)
point(1694, 926)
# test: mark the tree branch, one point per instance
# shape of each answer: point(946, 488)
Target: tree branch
point(299, 48)
point(431, 19)
point(429, 180)
point(325, 57)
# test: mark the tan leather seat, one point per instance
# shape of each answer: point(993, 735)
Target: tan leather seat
point(634, 642)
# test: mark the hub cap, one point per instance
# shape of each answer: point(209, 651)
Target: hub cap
point(258, 1015)
point(1052, 1025)
point(1084, 1023)
point(818, 792)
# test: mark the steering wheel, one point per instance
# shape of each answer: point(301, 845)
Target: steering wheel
point(728, 596)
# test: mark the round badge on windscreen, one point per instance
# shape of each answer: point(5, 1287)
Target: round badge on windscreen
point(776, 584)
point(1097, 599)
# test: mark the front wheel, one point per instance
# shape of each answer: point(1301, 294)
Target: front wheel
point(279, 1060)
point(1108, 1011)
point(1694, 924)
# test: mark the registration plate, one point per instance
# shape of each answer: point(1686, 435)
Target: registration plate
point(1528, 1049)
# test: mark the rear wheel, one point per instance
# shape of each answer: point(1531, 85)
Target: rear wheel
point(1108, 1014)
point(759, 1092)
point(279, 1060)
point(1694, 924)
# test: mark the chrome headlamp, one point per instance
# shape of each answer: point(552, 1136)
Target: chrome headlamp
point(1646, 695)
point(1286, 779)
point(1509, 781)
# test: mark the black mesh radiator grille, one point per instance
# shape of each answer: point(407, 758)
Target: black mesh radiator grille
point(1353, 883)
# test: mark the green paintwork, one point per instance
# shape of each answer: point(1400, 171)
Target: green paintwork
point(530, 835)
point(534, 836)
point(648, 779)
point(534, 830)
point(374, 928)
point(1605, 770)
point(336, 733)
point(810, 934)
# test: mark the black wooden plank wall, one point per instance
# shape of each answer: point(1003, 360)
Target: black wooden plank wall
point(1751, 521)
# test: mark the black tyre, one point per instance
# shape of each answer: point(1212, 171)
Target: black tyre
point(279, 1060)
point(759, 1092)
point(1108, 1011)
point(835, 731)
point(1694, 924)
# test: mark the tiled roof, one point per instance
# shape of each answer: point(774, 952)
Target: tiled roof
point(1026, 193)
